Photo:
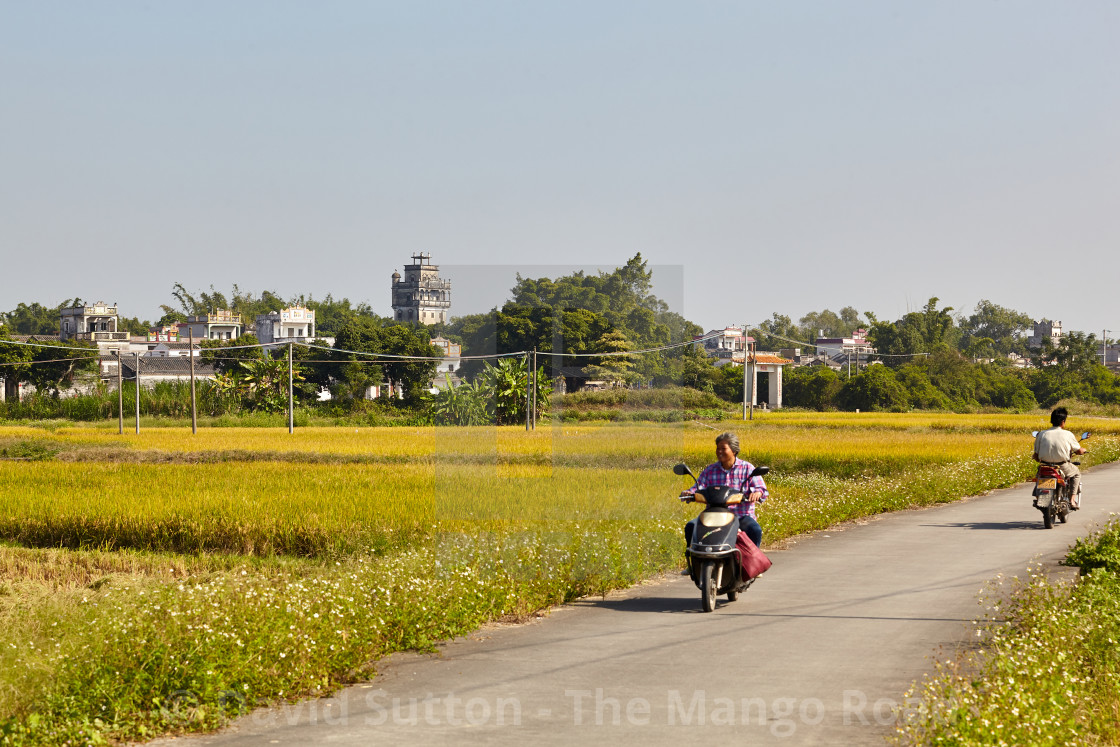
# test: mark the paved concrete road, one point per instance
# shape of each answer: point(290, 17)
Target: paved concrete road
point(817, 652)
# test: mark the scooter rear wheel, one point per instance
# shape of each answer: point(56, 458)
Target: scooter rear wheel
point(1048, 518)
point(708, 586)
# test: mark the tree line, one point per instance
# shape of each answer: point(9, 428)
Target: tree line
point(932, 358)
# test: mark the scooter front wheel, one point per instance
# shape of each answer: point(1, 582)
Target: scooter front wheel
point(708, 586)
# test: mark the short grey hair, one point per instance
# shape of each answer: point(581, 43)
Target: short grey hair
point(730, 439)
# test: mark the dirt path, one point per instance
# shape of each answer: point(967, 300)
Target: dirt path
point(817, 652)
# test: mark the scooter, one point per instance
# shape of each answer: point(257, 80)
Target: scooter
point(714, 561)
point(1052, 493)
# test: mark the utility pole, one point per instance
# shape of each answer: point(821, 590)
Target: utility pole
point(120, 396)
point(137, 392)
point(1104, 346)
point(753, 375)
point(194, 401)
point(291, 396)
point(528, 389)
point(745, 397)
point(534, 385)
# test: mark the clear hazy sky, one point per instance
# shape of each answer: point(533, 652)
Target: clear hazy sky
point(762, 156)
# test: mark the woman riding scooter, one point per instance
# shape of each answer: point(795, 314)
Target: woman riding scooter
point(735, 473)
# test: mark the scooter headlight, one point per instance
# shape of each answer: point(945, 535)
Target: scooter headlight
point(716, 518)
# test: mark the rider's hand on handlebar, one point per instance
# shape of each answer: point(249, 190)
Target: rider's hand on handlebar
point(755, 496)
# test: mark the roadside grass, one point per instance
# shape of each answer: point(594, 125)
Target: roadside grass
point(1048, 671)
point(197, 589)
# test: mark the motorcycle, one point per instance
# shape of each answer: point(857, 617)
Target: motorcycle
point(714, 560)
point(1052, 493)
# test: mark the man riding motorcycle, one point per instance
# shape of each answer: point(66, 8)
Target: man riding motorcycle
point(734, 472)
point(1056, 446)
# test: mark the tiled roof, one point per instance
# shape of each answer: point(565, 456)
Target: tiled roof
point(36, 338)
point(768, 359)
point(159, 366)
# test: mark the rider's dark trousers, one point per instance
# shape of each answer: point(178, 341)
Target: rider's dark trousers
point(746, 524)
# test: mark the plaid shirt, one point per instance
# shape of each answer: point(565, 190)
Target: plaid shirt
point(736, 477)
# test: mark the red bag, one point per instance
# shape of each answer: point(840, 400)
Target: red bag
point(752, 558)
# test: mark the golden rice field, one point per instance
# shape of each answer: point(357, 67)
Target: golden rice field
point(336, 491)
point(246, 566)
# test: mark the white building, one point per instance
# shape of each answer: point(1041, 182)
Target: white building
point(451, 354)
point(294, 323)
point(96, 323)
point(221, 324)
point(727, 344)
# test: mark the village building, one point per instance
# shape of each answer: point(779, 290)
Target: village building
point(158, 369)
point(853, 352)
point(220, 324)
point(452, 351)
point(421, 295)
point(726, 345)
point(1044, 330)
point(293, 323)
point(96, 323)
point(163, 334)
point(1110, 355)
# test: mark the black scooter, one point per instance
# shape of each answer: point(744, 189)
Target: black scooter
point(713, 560)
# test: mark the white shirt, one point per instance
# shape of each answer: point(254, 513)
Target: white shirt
point(1055, 445)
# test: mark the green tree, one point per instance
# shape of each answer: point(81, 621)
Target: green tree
point(53, 369)
point(1064, 371)
point(920, 391)
point(415, 376)
point(36, 319)
point(226, 355)
point(830, 324)
point(614, 367)
point(814, 387)
point(919, 332)
point(875, 389)
point(1002, 328)
point(777, 332)
point(14, 360)
point(352, 374)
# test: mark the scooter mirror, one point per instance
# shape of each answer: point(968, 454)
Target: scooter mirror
point(682, 469)
point(760, 471)
point(1034, 433)
point(1085, 435)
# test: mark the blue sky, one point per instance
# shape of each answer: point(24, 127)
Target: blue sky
point(763, 157)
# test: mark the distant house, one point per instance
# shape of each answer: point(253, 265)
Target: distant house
point(221, 324)
point(163, 334)
point(294, 323)
point(173, 350)
point(726, 344)
point(1111, 357)
point(96, 323)
point(452, 351)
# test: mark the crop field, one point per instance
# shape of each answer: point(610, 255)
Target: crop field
point(272, 565)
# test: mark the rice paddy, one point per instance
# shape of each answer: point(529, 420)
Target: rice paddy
point(115, 539)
